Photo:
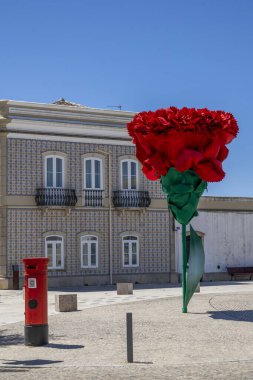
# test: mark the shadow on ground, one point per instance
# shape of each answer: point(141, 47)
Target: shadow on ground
point(64, 346)
point(31, 363)
point(10, 339)
point(16, 370)
point(232, 315)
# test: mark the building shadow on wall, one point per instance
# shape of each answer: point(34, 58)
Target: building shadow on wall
point(232, 315)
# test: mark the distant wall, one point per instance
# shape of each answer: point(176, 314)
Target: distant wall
point(228, 239)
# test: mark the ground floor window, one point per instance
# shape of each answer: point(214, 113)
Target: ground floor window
point(54, 252)
point(89, 251)
point(130, 247)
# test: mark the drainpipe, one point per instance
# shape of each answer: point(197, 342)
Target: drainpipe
point(110, 215)
point(110, 209)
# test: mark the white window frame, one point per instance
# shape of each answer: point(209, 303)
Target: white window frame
point(83, 241)
point(93, 159)
point(54, 157)
point(129, 161)
point(130, 241)
point(54, 242)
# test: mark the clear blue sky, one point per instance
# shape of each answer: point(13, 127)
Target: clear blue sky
point(141, 54)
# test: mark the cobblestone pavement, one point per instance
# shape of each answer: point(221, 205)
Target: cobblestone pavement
point(12, 303)
point(214, 340)
point(219, 371)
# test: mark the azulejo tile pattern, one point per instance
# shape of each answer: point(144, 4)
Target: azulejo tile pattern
point(27, 226)
point(25, 165)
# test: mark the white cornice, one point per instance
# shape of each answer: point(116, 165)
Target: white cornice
point(64, 120)
point(80, 117)
point(3, 120)
point(18, 107)
point(243, 204)
point(66, 129)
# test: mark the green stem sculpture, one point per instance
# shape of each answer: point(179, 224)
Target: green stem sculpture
point(184, 266)
point(183, 193)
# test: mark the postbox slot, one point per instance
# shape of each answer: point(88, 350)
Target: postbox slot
point(32, 304)
point(31, 266)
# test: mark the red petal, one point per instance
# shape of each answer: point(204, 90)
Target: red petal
point(188, 159)
point(212, 149)
point(210, 171)
point(223, 153)
point(159, 165)
point(149, 172)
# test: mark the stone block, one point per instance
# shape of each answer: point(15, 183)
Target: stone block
point(65, 302)
point(5, 283)
point(124, 288)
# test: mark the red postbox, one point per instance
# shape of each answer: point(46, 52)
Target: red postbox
point(36, 314)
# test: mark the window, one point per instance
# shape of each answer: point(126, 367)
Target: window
point(54, 252)
point(89, 251)
point(129, 177)
point(93, 173)
point(130, 251)
point(54, 171)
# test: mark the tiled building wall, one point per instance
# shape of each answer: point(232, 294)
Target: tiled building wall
point(153, 229)
point(25, 165)
point(26, 229)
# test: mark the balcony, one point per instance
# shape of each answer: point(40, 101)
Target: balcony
point(93, 198)
point(131, 198)
point(55, 197)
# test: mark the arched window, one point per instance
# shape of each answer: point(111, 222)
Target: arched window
point(129, 175)
point(130, 250)
point(92, 173)
point(54, 252)
point(54, 173)
point(89, 251)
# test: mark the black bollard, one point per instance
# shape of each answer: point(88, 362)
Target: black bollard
point(129, 324)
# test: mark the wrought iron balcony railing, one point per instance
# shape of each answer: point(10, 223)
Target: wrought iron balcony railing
point(131, 198)
point(93, 198)
point(54, 196)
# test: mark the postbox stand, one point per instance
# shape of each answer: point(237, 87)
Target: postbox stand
point(36, 335)
point(36, 313)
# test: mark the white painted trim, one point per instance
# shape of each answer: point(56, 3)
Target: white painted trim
point(129, 161)
point(54, 242)
point(82, 242)
point(17, 105)
point(68, 128)
point(54, 157)
point(86, 140)
point(93, 159)
point(131, 265)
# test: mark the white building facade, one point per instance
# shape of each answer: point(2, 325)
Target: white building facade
point(72, 190)
point(225, 225)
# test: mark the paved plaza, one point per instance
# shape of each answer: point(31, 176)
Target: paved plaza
point(214, 340)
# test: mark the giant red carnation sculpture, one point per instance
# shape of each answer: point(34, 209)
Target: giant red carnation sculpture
point(186, 138)
point(184, 148)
